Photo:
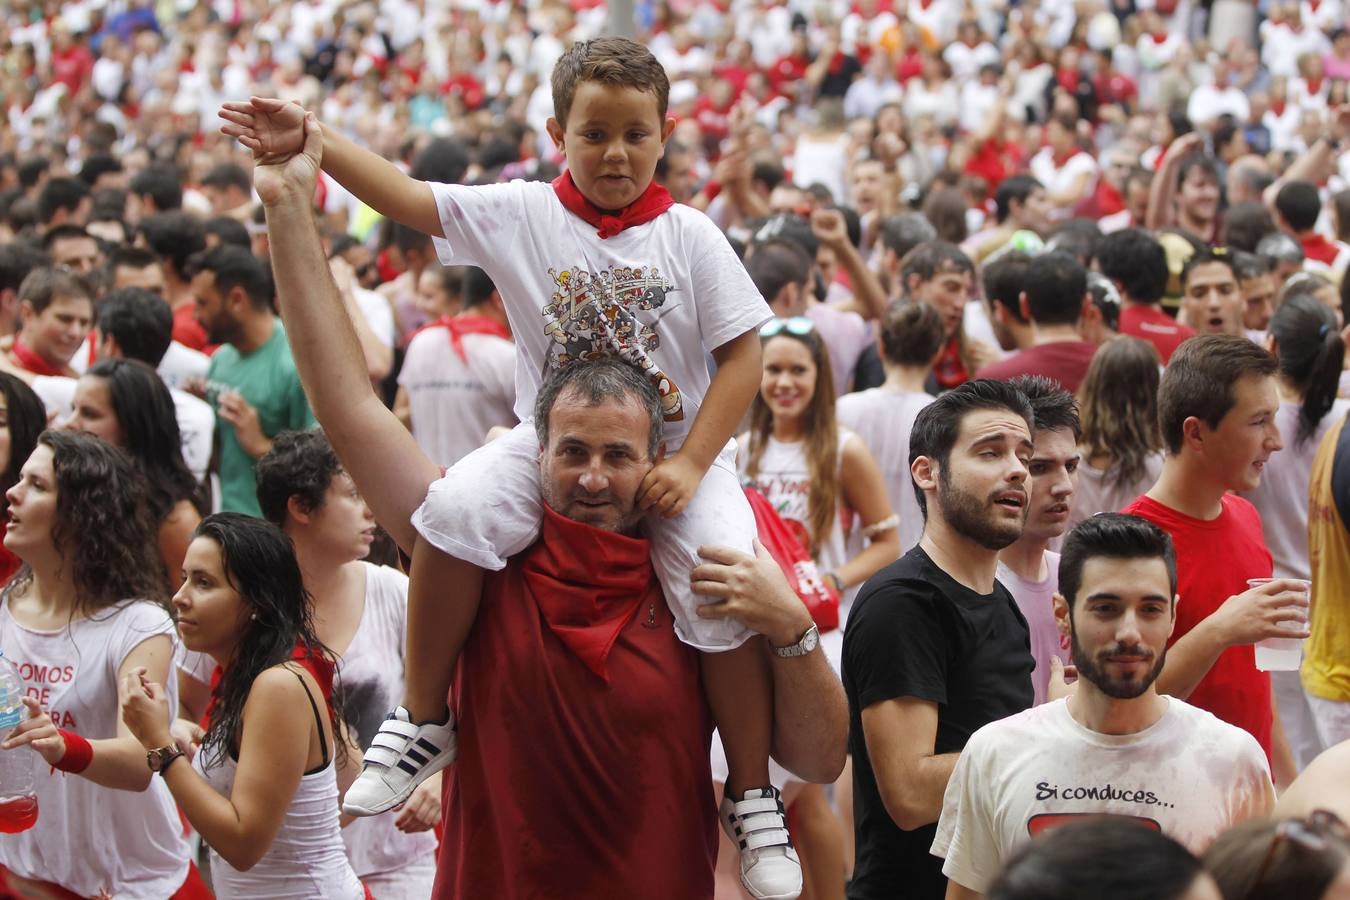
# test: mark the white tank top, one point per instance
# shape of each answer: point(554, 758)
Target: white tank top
point(90, 839)
point(307, 860)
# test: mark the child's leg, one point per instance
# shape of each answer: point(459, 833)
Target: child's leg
point(485, 509)
point(739, 688)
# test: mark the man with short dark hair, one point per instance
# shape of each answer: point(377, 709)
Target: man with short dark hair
point(55, 311)
point(1005, 280)
point(1028, 568)
point(1137, 264)
point(1211, 298)
point(939, 274)
point(1256, 280)
point(1298, 205)
point(259, 390)
point(175, 237)
point(1216, 409)
point(17, 260)
point(1054, 301)
point(73, 248)
point(935, 647)
point(1020, 204)
point(1116, 746)
point(230, 191)
point(154, 189)
point(63, 201)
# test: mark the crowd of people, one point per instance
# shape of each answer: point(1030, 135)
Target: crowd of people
point(408, 407)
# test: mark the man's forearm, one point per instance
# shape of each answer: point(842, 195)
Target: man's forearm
point(810, 721)
point(926, 790)
point(1190, 659)
point(383, 459)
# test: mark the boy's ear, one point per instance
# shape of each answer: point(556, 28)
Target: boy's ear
point(555, 133)
point(668, 129)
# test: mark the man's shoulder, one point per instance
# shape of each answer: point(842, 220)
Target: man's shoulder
point(1213, 737)
point(906, 583)
point(1027, 728)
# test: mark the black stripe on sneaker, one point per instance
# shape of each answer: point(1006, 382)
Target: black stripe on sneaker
point(428, 746)
point(412, 752)
point(407, 767)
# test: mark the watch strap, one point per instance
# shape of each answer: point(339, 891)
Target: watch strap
point(804, 645)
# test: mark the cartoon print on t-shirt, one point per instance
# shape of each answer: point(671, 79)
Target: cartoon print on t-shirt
point(597, 314)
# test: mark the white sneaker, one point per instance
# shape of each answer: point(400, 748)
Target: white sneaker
point(757, 824)
point(401, 757)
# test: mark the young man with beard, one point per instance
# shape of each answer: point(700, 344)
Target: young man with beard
point(1216, 409)
point(935, 647)
point(1115, 746)
point(1028, 567)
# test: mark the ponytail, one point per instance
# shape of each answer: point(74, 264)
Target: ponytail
point(1312, 353)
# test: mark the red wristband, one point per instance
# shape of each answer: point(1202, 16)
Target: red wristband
point(79, 753)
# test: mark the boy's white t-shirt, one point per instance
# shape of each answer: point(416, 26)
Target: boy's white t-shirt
point(658, 294)
point(90, 839)
point(1189, 775)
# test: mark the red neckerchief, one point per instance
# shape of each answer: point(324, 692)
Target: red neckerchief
point(588, 584)
point(460, 325)
point(1278, 107)
point(1314, 85)
point(654, 201)
point(31, 361)
point(1159, 38)
point(321, 667)
point(1059, 161)
point(949, 371)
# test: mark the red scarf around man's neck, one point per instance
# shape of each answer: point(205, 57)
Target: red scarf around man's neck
point(654, 201)
point(468, 323)
point(588, 583)
point(29, 360)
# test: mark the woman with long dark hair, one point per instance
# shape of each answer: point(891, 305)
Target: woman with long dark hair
point(85, 610)
point(124, 402)
point(1122, 447)
point(1305, 338)
point(262, 789)
point(22, 419)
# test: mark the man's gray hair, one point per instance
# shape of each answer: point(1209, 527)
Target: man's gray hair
point(596, 381)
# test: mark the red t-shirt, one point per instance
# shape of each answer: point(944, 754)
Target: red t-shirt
point(1063, 361)
point(1154, 326)
point(1214, 561)
point(574, 784)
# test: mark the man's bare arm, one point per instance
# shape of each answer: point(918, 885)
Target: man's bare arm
point(911, 778)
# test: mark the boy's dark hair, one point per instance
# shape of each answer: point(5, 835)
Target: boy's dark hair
point(140, 322)
point(1004, 280)
point(17, 259)
point(478, 287)
point(233, 268)
point(932, 258)
point(1134, 258)
point(229, 231)
point(1299, 204)
point(1200, 379)
point(1053, 407)
point(1019, 188)
point(160, 182)
point(614, 61)
point(776, 264)
point(1114, 536)
point(903, 232)
point(911, 334)
point(300, 464)
point(98, 165)
point(1245, 224)
point(1056, 285)
point(45, 284)
point(938, 424)
point(61, 233)
point(175, 237)
point(227, 175)
point(59, 194)
point(1204, 256)
point(30, 170)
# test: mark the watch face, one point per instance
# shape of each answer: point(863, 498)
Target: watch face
point(811, 639)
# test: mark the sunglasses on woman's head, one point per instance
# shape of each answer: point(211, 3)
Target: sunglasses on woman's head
point(798, 325)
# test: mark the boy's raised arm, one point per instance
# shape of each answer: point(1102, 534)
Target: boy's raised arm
point(275, 130)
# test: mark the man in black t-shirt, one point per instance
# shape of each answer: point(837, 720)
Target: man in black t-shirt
point(935, 648)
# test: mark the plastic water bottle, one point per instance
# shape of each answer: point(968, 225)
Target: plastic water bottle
point(18, 792)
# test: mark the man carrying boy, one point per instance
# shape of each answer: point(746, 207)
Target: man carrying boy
point(615, 269)
point(1115, 746)
point(1216, 406)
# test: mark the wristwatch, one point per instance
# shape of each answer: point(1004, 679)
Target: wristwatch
point(159, 760)
point(808, 642)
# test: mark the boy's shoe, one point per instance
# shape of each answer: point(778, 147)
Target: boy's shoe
point(401, 757)
point(757, 824)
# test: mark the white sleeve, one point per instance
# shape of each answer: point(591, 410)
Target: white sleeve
point(473, 216)
point(501, 372)
point(965, 838)
point(728, 302)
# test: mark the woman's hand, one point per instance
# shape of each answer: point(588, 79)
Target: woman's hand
point(187, 735)
point(39, 732)
point(422, 810)
point(145, 710)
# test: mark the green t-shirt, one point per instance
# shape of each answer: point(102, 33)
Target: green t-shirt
point(268, 380)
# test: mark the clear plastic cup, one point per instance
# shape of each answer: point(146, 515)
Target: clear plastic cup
point(1281, 654)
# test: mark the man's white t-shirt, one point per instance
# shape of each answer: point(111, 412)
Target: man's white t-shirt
point(657, 294)
point(455, 402)
point(1189, 775)
point(181, 363)
point(196, 431)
